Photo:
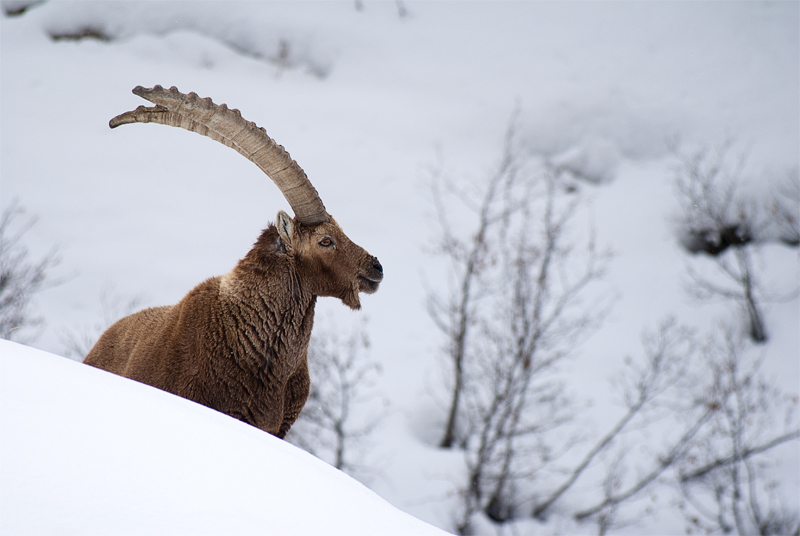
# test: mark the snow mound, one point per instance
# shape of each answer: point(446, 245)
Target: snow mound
point(88, 452)
point(594, 161)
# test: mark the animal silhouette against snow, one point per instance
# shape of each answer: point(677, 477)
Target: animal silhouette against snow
point(239, 343)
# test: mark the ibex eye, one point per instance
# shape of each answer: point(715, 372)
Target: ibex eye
point(326, 242)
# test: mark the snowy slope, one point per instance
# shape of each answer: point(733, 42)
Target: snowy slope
point(87, 452)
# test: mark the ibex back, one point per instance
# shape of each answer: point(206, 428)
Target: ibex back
point(239, 343)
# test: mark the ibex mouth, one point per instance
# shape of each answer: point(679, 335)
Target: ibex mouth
point(366, 286)
point(368, 282)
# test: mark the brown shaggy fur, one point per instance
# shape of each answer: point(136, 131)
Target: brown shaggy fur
point(238, 343)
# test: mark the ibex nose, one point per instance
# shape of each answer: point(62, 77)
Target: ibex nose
point(377, 264)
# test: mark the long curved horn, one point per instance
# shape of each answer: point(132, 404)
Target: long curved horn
point(228, 127)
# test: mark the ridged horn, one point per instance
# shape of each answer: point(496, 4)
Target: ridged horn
point(228, 127)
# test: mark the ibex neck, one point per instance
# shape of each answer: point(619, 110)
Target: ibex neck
point(278, 288)
point(271, 311)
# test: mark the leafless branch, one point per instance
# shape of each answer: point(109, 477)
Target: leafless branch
point(341, 383)
point(726, 463)
point(675, 453)
point(20, 278)
point(454, 314)
point(667, 355)
point(533, 279)
point(716, 219)
point(79, 341)
point(746, 453)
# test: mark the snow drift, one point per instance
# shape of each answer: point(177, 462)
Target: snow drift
point(87, 452)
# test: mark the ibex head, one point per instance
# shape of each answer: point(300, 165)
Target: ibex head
point(332, 265)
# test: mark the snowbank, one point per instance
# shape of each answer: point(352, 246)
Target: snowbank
point(87, 452)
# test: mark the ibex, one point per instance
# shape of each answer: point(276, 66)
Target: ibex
point(239, 343)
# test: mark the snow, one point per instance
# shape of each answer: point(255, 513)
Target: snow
point(367, 102)
point(88, 452)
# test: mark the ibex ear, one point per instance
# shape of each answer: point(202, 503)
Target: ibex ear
point(285, 229)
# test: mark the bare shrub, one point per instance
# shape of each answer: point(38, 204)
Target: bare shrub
point(82, 33)
point(646, 386)
point(728, 421)
point(16, 8)
point(784, 209)
point(333, 424)
point(729, 480)
point(517, 309)
point(78, 341)
point(517, 305)
point(20, 277)
point(721, 222)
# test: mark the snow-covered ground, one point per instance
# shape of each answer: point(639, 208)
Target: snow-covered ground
point(367, 101)
point(86, 452)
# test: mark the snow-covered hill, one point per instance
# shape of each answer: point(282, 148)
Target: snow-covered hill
point(86, 452)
